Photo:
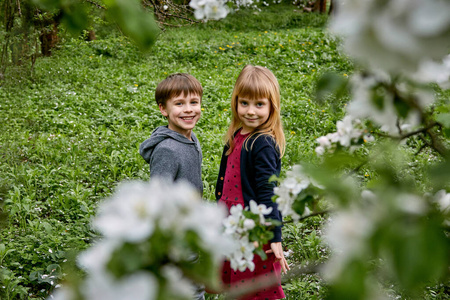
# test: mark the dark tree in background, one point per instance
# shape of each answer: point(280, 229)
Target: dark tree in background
point(30, 28)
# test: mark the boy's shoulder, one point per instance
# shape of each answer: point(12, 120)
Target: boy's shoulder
point(175, 140)
point(169, 143)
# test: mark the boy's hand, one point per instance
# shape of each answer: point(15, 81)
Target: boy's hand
point(277, 250)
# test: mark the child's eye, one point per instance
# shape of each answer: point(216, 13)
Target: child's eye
point(178, 104)
point(244, 103)
point(194, 102)
point(260, 104)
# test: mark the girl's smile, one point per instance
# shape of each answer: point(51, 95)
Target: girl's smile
point(252, 113)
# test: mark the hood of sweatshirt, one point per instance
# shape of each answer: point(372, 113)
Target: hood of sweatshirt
point(160, 134)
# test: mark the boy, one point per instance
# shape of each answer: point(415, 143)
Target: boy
point(173, 151)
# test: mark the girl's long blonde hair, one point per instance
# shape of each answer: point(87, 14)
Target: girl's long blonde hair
point(256, 82)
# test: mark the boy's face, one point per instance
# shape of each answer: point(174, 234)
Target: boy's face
point(182, 112)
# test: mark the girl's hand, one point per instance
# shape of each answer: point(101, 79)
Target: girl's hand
point(277, 250)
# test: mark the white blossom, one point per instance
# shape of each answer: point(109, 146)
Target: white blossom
point(244, 3)
point(296, 181)
point(176, 283)
point(207, 220)
point(209, 9)
point(238, 227)
point(349, 131)
point(94, 259)
point(346, 233)
point(394, 35)
point(362, 105)
point(442, 198)
point(320, 150)
point(411, 204)
point(137, 286)
point(243, 258)
point(129, 213)
point(324, 141)
point(232, 222)
point(260, 210)
point(431, 71)
point(249, 224)
point(132, 215)
point(63, 293)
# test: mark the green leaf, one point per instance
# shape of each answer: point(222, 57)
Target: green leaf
point(378, 100)
point(75, 17)
point(125, 260)
point(440, 174)
point(401, 107)
point(274, 178)
point(299, 207)
point(133, 21)
point(418, 252)
point(446, 132)
point(351, 285)
point(444, 119)
point(259, 251)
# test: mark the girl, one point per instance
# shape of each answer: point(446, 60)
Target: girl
point(254, 146)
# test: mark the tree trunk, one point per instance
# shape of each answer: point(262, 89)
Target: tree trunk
point(49, 38)
point(332, 9)
point(320, 6)
point(91, 36)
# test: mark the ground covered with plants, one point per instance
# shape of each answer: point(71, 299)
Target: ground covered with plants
point(70, 132)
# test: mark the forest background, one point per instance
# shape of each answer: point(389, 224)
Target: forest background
point(72, 123)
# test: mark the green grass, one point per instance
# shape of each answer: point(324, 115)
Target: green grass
point(71, 132)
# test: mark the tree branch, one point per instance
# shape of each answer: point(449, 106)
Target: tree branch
point(95, 4)
point(314, 214)
point(18, 8)
point(409, 134)
point(159, 12)
point(298, 270)
point(437, 144)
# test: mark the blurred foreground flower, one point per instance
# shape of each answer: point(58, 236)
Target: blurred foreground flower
point(158, 239)
point(247, 226)
point(394, 35)
point(394, 106)
point(350, 133)
point(209, 9)
point(292, 195)
point(432, 71)
point(382, 229)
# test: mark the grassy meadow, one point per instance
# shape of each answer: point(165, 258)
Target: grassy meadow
point(70, 132)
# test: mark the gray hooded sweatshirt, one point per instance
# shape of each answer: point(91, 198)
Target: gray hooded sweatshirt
point(172, 155)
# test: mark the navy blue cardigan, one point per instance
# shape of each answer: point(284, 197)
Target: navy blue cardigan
point(259, 162)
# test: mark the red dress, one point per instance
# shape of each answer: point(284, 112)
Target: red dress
point(232, 195)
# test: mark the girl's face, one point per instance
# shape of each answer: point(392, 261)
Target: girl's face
point(252, 113)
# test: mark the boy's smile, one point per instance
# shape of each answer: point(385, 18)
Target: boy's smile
point(182, 113)
point(252, 113)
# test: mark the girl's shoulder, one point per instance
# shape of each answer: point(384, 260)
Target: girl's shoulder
point(260, 141)
point(262, 138)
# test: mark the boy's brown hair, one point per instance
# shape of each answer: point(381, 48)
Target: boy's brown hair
point(175, 85)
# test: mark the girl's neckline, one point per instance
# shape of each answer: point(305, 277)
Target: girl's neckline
point(245, 134)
